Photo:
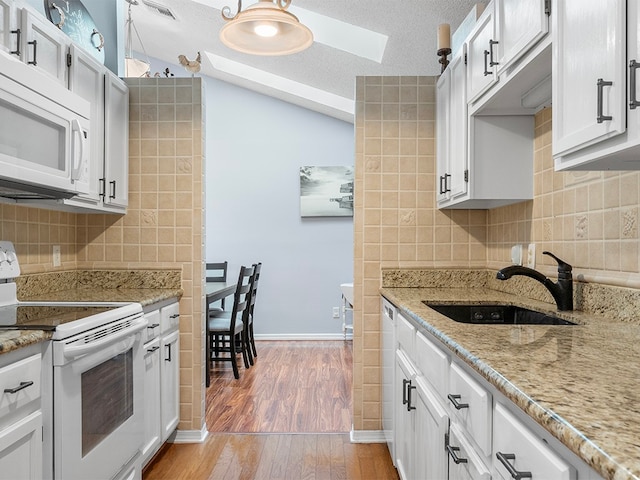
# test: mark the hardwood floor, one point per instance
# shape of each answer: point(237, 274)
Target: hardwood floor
point(294, 387)
point(287, 417)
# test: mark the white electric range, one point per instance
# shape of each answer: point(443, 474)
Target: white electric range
point(98, 378)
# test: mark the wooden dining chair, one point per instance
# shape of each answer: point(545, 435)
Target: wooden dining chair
point(227, 334)
point(217, 272)
point(251, 344)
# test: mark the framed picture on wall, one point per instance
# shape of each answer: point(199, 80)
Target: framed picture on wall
point(326, 191)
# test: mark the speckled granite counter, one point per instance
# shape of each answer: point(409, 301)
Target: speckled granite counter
point(581, 383)
point(143, 286)
point(14, 339)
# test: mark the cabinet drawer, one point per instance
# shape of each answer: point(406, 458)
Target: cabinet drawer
point(470, 404)
point(522, 451)
point(464, 462)
point(406, 337)
point(433, 363)
point(170, 317)
point(19, 385)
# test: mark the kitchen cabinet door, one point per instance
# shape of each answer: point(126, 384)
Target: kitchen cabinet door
point(588, 82)
point(620, 152)
point(520, 25)
point(432, 426)
point(44, 46)
point(170, 382)
point(152, 416)
point(115, 183)
point(86, 78)
point(21, 449)
point(482, 56)
point(443, 130)
point(452, 157)
point(388, 321)
point(8, 27)
point(458, 136)
point(405, 417)
point(464, 462)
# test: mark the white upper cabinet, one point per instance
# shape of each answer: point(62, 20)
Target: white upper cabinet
point(116, 144)
point(86, 78)
point(452, 157)
point(520, 25)
point(589, 81)
point(482, 55)
point(44, 46)
point(589, 145)
point(8, 28)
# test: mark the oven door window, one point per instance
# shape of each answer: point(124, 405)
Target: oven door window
point(107, 399)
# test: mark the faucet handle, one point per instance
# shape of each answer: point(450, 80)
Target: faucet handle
point(563, 267)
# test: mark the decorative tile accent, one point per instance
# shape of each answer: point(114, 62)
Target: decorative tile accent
point(582, 224)
point(630, 223)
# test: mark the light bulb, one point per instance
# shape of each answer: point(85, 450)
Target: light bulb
point(266, 29)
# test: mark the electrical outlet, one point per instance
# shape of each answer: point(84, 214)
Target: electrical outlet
point(336, 312)
point(56, 256)
point(531, 255)
point(516, 254)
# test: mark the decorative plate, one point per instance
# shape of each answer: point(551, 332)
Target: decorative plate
point(72, 18)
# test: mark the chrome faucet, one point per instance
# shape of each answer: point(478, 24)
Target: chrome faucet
point(562, 291)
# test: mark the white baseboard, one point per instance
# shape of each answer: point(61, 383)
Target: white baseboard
point(302, 336)
point(367, 436)
point(190, 436)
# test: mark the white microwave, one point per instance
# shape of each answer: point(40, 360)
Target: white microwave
point(44, 150)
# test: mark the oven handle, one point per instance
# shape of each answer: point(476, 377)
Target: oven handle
point(71, 352)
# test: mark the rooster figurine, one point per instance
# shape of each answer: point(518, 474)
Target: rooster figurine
point(192, 66)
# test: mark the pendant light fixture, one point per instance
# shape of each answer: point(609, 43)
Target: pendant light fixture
point(265, 28)
point(133, 67)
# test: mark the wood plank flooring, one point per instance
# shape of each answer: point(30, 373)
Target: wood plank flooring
point(287, 417)
point(294, 387)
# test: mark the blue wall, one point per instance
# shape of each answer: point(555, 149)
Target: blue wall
point(255, 147)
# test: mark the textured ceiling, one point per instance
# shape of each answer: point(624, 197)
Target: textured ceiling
point(327, 74)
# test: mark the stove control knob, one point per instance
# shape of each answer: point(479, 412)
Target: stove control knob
point(11, 257)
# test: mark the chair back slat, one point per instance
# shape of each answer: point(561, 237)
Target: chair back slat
point(242, 295)
point(216, 271)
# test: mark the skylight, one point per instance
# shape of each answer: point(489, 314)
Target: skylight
point(282, 84)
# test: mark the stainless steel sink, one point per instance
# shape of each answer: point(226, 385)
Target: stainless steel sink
point(496, 314)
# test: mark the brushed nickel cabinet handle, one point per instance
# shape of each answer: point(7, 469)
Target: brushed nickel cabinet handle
point(601, 84)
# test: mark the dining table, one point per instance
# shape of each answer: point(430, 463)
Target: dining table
point(215, 291)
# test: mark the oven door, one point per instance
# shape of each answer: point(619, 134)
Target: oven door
point(98, 402)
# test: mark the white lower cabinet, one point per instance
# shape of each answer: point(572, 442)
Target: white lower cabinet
point(464, 462)
point(431, 427)
point(21, 449)
point(152, 424)
point(404, 417)
point(21, 415)
point(470, 405)
point(520, 454)
point(161, 382)
point(450, 423)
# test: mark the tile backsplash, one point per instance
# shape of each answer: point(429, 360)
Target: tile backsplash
point(589, 219)
point(164, 225)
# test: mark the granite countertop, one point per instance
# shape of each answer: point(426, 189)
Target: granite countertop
point(581, 383)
